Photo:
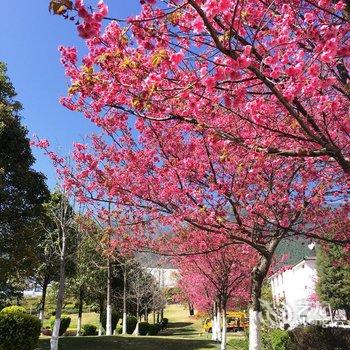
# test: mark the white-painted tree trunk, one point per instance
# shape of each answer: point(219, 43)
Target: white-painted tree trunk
point(41, 315)
point(60, 294)
point(214, 328)
point(109, 320)
point(218, 324)
point(100, 329)
point(136, 331)
point(124, 323)
point(79, 326)
point(214, 334)
point(124, 300)
point(109, 330)
point(254, 330)
point(224, 332)
point(55, 333)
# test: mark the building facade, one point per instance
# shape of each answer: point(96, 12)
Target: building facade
point(294, 296)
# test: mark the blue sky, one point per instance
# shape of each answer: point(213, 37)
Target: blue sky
point(29, 38)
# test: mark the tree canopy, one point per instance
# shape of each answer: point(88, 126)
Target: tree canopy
point(22, 189)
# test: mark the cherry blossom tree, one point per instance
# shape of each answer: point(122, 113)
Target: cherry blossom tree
point(219, 278)
point(270, 76)
point(227, 117)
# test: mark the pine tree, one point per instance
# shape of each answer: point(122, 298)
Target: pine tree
point(333, 285)
point(22, 189)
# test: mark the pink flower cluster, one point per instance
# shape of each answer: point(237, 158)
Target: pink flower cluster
point(91, 25)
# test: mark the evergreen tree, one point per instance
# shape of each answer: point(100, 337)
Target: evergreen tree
point(22, 189)
point(333, 285)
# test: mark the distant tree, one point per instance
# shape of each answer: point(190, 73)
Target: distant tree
point(22, 190)
point(48, 248)
point(333, 286)
point(64, 234)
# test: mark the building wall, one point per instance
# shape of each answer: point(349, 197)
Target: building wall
point(294, 291)
point(167, 278)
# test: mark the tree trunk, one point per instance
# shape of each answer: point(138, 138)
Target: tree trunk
point(124, 302)
point(218, 322)
point(60, 296)
point(80, 311)
point(191, 309)
point(100, 328)
point(224, 330)
point(109, 330)
point(258, 275)
point(214, 330)
point(136, 331)
point(43, 299)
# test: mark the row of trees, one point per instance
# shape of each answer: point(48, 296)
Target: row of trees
point(45, 238)
point(221, 119)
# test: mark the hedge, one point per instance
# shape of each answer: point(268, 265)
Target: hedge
point(277, 339)
point(131, 322)
point(13, 310)
point(143, 328)
point(65, 322)
point(19, 330)
point(89, 329)
point(319, 338)
point(154, 329)
point(115, 319)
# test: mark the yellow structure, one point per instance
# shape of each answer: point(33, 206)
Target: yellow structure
point(236, 321)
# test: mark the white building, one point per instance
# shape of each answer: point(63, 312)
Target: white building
point(294, 291)
point(166, 277)
point(33, 290)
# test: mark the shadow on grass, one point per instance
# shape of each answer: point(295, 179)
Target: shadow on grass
point(128, 343)
point(179, 324)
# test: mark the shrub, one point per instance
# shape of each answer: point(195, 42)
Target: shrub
point(19, 330)
point(89, 329)
point(318, 338)
point(65, 322)
point(131, 322)
point(119, 329)
point(165, 321)
point(46, 331)
point(277, 339)
point(153, 329)
point(115, 319)
point(13, 310)
point(69, 333)
point(143, 328)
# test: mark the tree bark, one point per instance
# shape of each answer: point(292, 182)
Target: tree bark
point(218, 322)
point(214, 331)
point(109, 330)
point(80, 311)
point(100, 328)
point(43, 298)
point(224, 329)
point(258, 275)
point(136, 331)
point(60, 296)
point(124, 302)
point(191, 309)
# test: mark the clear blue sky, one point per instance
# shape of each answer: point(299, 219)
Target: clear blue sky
point(29, 38)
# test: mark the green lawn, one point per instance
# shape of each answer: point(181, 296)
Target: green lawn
point(91, 318)
point(184, 332)
point(129, 343)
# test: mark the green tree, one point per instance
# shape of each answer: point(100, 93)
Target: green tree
point(333, 286)
point(22, 189)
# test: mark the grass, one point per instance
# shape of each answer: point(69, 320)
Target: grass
point(91, 318)
point(184, 332)
point(129, 343)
